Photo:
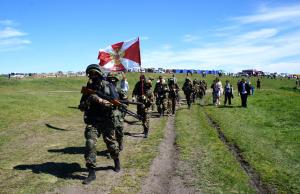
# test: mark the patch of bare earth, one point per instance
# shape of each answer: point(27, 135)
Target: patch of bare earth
point(162, 176)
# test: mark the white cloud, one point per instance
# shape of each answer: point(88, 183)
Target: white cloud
point(14, 42)
point(259, 34)
point(166, 46)
point(280, 14)
point(190, 38)
point(7, 22)
point(144, 38)
point(11, 38)
point(267, 46)
point(9, 32)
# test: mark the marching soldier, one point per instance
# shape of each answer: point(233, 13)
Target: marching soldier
point(160, 91)
point(118, 115)
point(173, 95)
point(99, 119)
point(188, 90)
point(142, 93)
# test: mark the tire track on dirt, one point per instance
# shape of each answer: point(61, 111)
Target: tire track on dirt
point(255, 179)
point(162, 176)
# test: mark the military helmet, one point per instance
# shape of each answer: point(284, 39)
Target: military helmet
point(142, 77)
point(113, 76)
point(187, 79)
point(95, 68)
point(171, 81)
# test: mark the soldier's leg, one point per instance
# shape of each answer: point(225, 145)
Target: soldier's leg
point(158, 105)
point(108, 137)
point(146, 122)
point(91, 134)
point(173, 105)
point(188, 100)
point(119, 137)
point(165, 105)
point(169, 105)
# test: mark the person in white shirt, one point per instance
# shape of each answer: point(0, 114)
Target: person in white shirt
point(124, 84)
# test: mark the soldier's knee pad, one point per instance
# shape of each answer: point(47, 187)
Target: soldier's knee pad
point(90, 144)
point(90, 132)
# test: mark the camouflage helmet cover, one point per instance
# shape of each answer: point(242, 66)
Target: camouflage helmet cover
point(114, 76)
point(95, 68)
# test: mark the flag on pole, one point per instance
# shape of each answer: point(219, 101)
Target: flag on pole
point(121, 56)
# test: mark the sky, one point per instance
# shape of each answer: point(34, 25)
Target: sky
point(231, 35)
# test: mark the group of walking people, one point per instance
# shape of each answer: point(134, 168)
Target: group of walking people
point(102, 102)
point(103, 107)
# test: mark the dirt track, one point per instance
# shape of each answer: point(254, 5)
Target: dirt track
point(162, 177)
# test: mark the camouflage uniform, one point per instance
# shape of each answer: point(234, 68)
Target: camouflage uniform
point(100, 117)
point(118, 115)
point(173, 95)
point(161, 91)
point(188, 90)
point(142, 92)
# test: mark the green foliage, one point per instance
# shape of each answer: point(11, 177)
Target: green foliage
point(268, 132)
point(42, 129)
point(39, 115)
point(215, 169)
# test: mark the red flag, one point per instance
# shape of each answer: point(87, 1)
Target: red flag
point(121, 56)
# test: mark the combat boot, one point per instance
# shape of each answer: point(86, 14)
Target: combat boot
point(91, 177)
point(117, 165)
point(107, 154)
point(146, 133)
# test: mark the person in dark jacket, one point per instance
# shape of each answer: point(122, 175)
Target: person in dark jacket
point(228, 92)
point(244, 91)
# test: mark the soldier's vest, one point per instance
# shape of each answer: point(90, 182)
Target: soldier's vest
point(97, 112)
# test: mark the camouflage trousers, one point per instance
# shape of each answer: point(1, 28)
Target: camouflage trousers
point(118, 120)
point(92, 133)
point(171, 105)
point(145, 113)
point(162, 105)
point(188, 99)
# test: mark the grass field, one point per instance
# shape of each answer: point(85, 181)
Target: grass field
point(41, 139)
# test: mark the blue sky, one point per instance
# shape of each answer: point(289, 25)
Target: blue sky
point(53, 35)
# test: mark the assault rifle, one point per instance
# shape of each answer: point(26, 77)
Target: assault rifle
point(121, 104)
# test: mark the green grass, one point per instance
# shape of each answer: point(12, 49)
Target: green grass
point(215, 169)
point(268, 133)
point(35, 158)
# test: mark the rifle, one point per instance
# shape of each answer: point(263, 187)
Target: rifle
point(118, 103)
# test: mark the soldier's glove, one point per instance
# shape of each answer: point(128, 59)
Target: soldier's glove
point(105, 103)
point(133, 99)
point(143, 97)
point(94, 98)
point(82, 107)
point(99, 100)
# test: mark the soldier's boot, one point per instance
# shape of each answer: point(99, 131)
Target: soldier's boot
point(117, 165)
point(107, 154)
point(91, 177)
point(146, 133)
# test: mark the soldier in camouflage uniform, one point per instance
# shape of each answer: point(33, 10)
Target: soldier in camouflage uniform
point(161, 92)
point(173, 95)
point(99, 117)
point(188, 90)
point(118, 115)
point(142, 93)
